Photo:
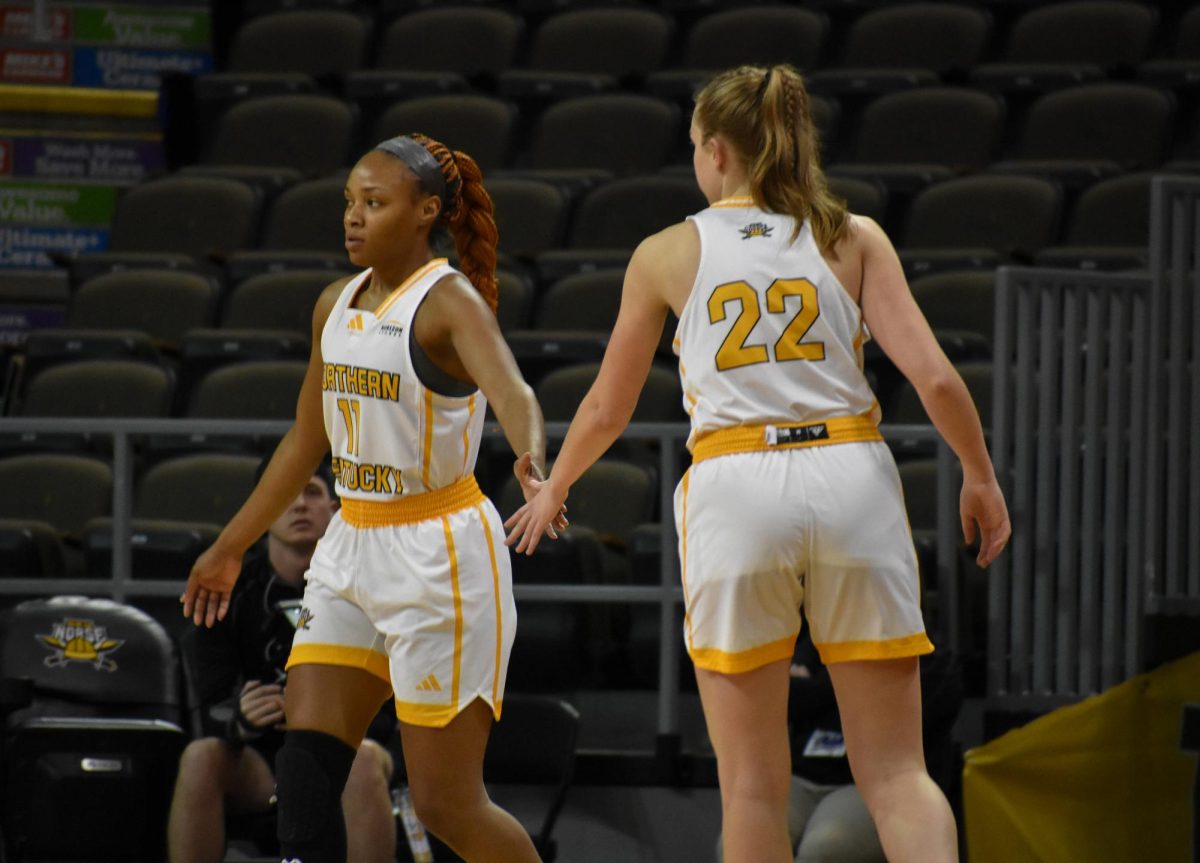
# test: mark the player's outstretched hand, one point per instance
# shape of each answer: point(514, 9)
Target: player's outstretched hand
point(206, 597)
point(982, 503)
point(538, 516)
point(531, 481)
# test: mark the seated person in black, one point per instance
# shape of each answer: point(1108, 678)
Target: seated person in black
point(239, 682)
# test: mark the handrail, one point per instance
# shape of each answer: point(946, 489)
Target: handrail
point(668, 593)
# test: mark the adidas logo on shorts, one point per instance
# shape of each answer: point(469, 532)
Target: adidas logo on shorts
point(429, 684)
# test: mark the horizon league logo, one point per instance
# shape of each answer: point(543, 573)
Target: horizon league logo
point(76, 640)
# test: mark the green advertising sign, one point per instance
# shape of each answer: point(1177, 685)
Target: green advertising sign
point(143, 26)
point(45, 204)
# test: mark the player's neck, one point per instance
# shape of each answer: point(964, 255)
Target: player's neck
point(735, 185)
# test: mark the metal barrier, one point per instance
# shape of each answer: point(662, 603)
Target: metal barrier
point(667, 594)
point(1096, 436)
point(1172, 517)
point(1069, 444)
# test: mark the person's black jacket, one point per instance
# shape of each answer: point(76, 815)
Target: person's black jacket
point(251, 643)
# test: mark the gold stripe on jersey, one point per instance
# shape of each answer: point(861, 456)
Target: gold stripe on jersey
point(712, 659)
point(391, 298)
point(413, 508)
point(916, 644)
point(340, 654)
point(458, 616)
point(467, 432)
point(427, 455)
point(360, 381)
point(779, 436)
point(688, 398)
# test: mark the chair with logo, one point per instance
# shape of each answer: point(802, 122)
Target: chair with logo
point(91, 701)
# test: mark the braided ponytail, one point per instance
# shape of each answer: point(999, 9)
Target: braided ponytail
point(765, 115)
point(468, 214)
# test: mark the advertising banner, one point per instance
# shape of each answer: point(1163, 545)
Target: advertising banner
point(22, 246)
point(115, 160)
point(124, 47)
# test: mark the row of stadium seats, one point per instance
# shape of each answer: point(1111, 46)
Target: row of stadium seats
point(219, 227)
point(958, 129)
point(590, 49)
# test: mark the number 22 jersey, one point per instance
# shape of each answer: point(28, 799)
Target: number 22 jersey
point(768, 335)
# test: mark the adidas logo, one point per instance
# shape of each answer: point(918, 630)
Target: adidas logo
point(356, 323)
point(429, 684)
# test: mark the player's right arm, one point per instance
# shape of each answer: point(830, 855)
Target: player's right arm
point(206, 597)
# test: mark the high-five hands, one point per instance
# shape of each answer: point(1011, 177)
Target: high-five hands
point(544, 510)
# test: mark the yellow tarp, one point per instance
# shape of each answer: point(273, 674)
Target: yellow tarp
point(1101, 781)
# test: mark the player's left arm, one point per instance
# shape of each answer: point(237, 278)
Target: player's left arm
point(460, 333)
point(608, 406)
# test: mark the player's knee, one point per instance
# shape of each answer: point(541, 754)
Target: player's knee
point(758, 781)
point(443, 812)
point(369, 776)
point(205, 766)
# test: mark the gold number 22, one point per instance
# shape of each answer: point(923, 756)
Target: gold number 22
point(735, 353)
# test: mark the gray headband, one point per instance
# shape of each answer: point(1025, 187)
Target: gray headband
point(420, 161)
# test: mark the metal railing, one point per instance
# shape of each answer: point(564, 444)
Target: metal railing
point(125, 435)
point(1172, 514)
point(1096, 435)
point(1069, 443)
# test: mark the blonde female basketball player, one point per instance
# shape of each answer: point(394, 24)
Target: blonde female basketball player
point(409, 593)
point(793, 498)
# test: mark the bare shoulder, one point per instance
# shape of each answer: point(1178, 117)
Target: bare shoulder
point(669, 245)
point(666, 263)
point(327, 300)
point(865, 235)
point(454, 292)
point(451, 304)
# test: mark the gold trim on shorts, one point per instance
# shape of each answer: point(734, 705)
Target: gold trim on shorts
point(433, 715)
point(916, 644)
point(340, 654)
point(412, 508)
point(713, 659)
point(779, 436)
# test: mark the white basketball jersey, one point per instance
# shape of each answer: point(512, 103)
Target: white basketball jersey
point(390, 436)
point(768, 335)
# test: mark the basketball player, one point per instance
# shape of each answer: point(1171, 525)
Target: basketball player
point(793, 497)
point(409, 592)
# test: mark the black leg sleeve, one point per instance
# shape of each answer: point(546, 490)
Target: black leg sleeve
point(310, 773)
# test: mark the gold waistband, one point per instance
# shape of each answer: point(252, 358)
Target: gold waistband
point(413, 508)
point(777, 436)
